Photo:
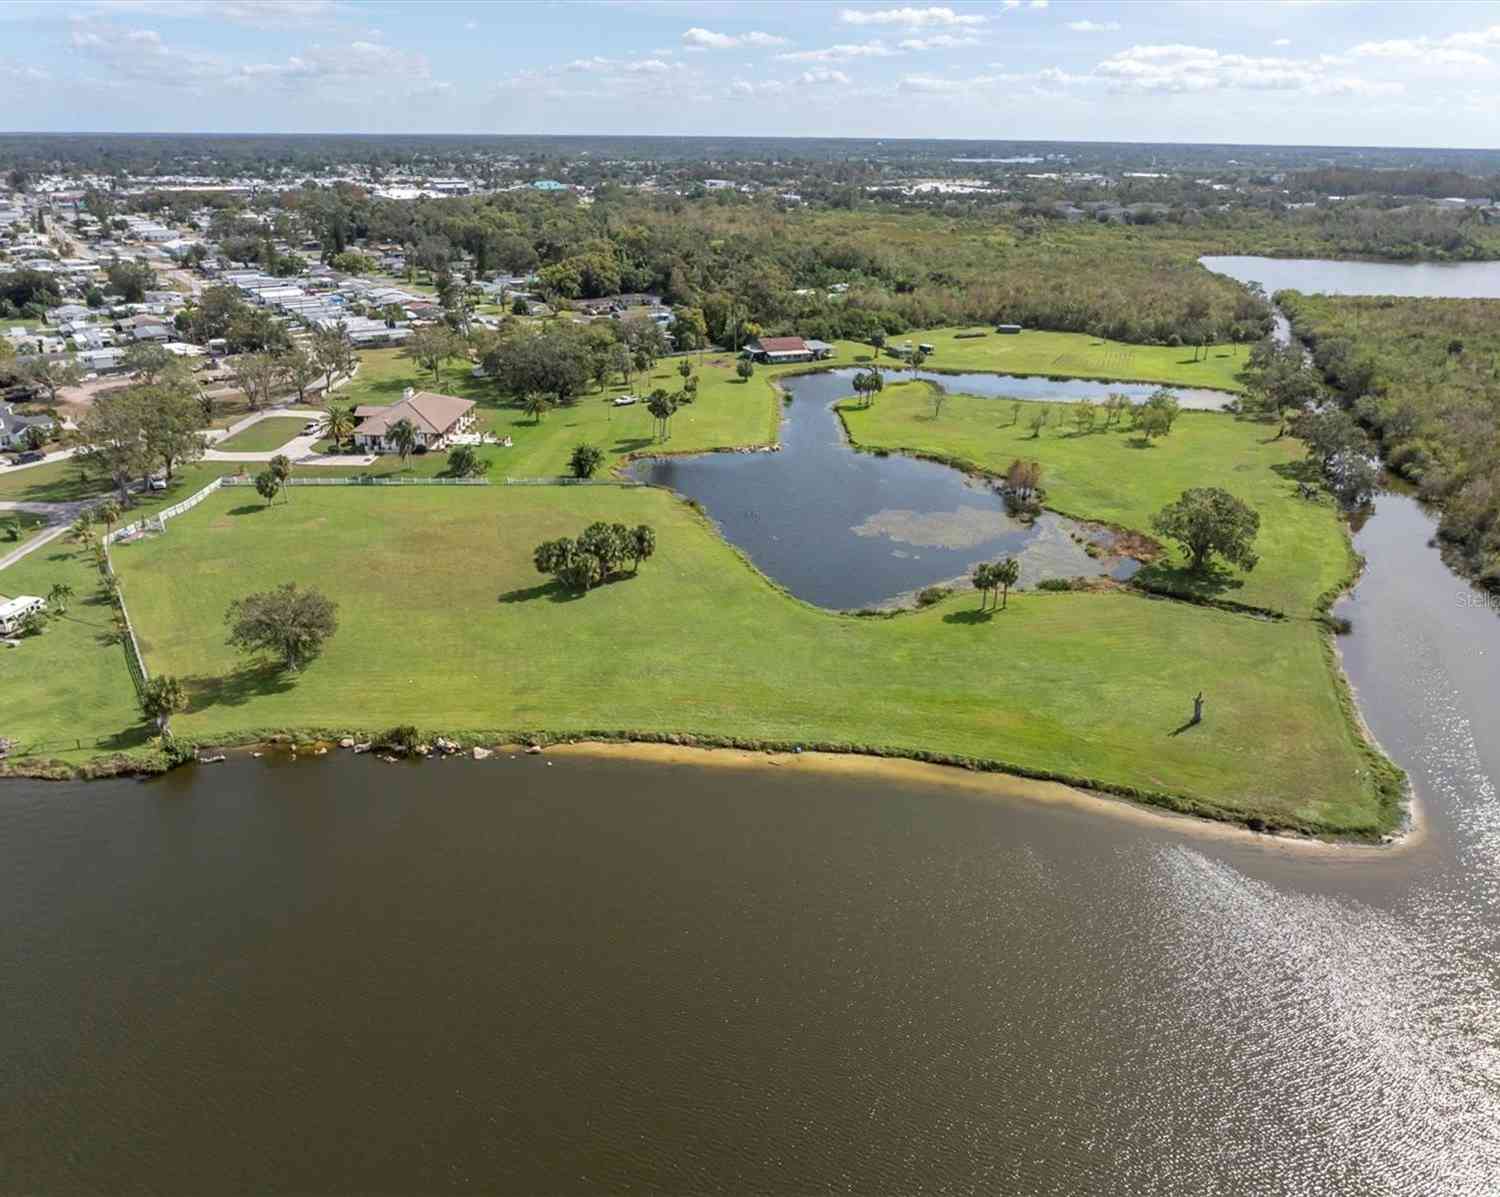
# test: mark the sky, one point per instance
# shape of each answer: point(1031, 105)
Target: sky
point(1298, 72)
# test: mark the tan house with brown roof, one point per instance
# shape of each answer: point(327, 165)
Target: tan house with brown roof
point(437, 418)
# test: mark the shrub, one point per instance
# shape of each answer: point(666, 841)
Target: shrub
point(932, 594)
point(1057, 584)
point(403, 739)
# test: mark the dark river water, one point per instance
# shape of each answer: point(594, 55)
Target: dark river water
point(847, 530)
point(597, 976)
point(1454, 280)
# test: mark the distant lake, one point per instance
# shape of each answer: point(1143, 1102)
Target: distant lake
point(1323, 276)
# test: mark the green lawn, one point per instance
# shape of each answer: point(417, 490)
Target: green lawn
point(729, 412)
point(1112, 476)
point(445, 623)
point(51, 482)
point(264, 436)
point(1077, 355)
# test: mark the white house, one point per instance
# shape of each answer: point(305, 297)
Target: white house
point(436, 418)
point(13, 427)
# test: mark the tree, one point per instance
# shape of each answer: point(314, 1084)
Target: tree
point(161, 698)
point(984, 581)
point(259, 376)
point(919, 359)
point(131, 279)
point(111, 438)
point(281, 466)
point(874, 385)
point(1084, 415)
point(59, 596)
point(49, 377)
point(1038, 422)
point(1208, 520)
point(642, 545)
point(171, 424)
point(1163, 409)
point(148, 362)
point(745, 368)
point(551, 556)
point(301, 369)
point(581, 572)
point(108, 513)
point(609, 544)
point(519, 307)
point(586, 460)
point(1115, 407)
point(464, 461)
point(430, 347)
point(535, 404)
point(403, 435)
point(662, 406)
point(684, 368)
point(1005, 574)
point(290, 623)
point(341, 423)
point(334, 353)
point(268, 485)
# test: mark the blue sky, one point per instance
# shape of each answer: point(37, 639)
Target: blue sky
point(1424, 74)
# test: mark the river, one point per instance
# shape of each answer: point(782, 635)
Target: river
point(600, 975)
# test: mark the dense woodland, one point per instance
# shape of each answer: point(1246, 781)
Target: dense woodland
point(1423, 375)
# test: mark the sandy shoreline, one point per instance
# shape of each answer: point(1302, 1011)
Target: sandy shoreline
point(898, 770)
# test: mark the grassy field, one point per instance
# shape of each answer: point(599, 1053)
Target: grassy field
point(51, 482)
point(1113, 476)
point(264, 436)
point(445, 623)
point(1079, 356)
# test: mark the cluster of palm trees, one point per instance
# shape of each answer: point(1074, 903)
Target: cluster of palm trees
point(867, 384)
point(990, 576)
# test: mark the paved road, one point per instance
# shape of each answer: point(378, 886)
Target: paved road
point(300, 448)
point(60, 519)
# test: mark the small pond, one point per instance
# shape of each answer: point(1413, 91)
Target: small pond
point(1060, 390)
point(850, 530)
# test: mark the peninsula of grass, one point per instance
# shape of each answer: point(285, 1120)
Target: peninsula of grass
point(1115, 476)
point(264, 436)
point(444, 623)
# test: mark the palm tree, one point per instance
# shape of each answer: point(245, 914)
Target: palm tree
point(535, 404)
point(108, 513)
point(281, 467)
point(58, 597)
point(403, 435)
point(1005, 574)
point(341, 423)
point(984, 581)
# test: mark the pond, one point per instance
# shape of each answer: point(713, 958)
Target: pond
point(1063, 390)
point(850, 530)
point(1450, 280)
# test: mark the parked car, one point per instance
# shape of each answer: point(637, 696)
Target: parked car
point(156, 482)
point(27, 457)
point(312, 428)
point(624, 400)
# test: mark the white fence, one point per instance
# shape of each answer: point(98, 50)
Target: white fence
point(564, 481)
point(161, 517)
point(246, 480)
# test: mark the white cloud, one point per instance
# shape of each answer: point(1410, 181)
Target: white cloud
point(646, 66)
point(767, 87)
point(1180, 69)
point(911, 18)
point(821, 75)
point(1093, 26)
point(939, 41)
point(1455, 50)
point(256, 14)
point(707, 39)
point(841, 53)
point(1282, 41)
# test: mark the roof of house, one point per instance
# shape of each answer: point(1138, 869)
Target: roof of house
point(432, 413)
point(782, 345)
